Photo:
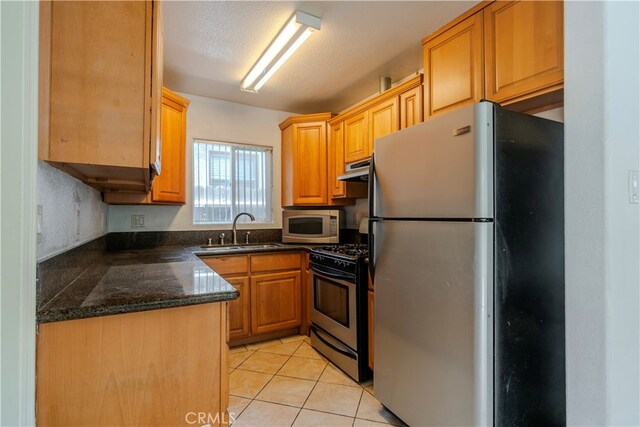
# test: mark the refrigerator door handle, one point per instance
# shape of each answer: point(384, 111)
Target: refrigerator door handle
point(372, 219)
point(371, 244)
point(372, 174)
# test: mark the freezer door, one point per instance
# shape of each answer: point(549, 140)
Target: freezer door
point(433, 321)
point(442, 168)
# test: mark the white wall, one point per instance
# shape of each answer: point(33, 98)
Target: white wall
point(212, 119)
point(622, 153)
point(18, 128)
point(72, 212)
point(602, 227)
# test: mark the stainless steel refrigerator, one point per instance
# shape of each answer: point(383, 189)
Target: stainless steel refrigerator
point(467, 256)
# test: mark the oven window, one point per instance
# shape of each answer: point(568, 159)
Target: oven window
point(305, 226)
point(332, 300)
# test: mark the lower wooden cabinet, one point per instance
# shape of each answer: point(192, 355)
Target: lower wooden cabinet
point(306, 297)
point(370, 299)
point(275, 302)
point(144, 368)
point(270, 287)
point(240, 309)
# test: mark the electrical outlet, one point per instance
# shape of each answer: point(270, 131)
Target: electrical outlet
point(137, 221)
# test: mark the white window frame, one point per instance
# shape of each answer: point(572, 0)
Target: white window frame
point(235, 209)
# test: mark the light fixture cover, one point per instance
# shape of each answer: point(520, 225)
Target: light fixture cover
point(297, 29)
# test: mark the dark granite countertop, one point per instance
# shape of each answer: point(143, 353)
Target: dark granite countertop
point(144, 279)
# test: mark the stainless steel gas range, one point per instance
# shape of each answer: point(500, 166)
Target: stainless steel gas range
point(339, 307)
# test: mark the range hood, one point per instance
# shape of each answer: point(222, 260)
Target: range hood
point(356, 171)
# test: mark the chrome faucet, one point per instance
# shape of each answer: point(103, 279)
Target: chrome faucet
point(235, 220)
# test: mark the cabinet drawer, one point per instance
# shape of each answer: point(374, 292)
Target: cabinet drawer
point(275, 262)
point(226, 266)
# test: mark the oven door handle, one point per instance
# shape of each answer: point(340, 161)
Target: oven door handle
point(344, 351)
point(321, 271)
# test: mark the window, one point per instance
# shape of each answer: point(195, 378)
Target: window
point(231, 178)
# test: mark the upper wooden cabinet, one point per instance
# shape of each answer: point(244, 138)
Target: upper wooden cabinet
point(169, 186)
point(411, 107)
point(453, 67)
point(509, 52)
point(523, 45)
point(336, 160)
point(100, 79)
point(341, 189)
point(304, 160)
point(383, 120)
point(356, 138)
point(379, 116)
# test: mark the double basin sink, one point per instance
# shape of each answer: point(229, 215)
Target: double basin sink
point(240, 248)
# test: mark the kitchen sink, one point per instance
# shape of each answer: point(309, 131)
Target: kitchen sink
point(238, 248)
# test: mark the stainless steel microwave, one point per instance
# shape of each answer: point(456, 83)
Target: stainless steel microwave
point(311, 226)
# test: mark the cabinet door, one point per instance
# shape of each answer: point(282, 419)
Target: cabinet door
point(275, 302)
point(356, 138)
point(97, 130)
point(336, 161)
point(524, 49)
point(169, 186)
point(411, 107)
point(310, 164)
point(157, 91)
point(305, 295)
point(239, 309)
point(383, 120)
point(370, 299)
point(453, 67)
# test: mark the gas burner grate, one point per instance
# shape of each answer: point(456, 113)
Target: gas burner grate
point(351, 250)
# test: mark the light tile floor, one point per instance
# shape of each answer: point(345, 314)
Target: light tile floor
point(286, 382)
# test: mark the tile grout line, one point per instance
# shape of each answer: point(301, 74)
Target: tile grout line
point(313, 388)
point(267, 383)
point(358, 407)
point(316, 381)
point(274, 375)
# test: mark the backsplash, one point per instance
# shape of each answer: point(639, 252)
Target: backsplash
point(150, 239)
point(72, 212)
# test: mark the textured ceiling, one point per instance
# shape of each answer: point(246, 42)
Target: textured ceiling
point(210, 47)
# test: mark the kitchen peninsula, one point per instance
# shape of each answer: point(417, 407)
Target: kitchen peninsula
point(139, 338)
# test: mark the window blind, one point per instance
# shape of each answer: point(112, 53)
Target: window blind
point(231, 178)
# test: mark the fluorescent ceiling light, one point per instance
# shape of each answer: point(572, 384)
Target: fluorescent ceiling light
point(298, 29)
